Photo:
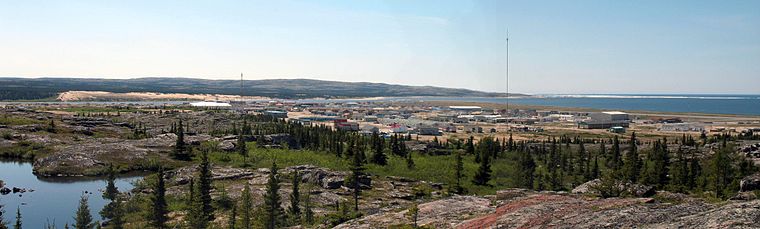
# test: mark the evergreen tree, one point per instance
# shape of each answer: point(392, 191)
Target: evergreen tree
point(51, 126)
point(595, 171)
point(83, 219)
point(409, 161)
point(195, 217)
point(616, 159)
point(632, 163)
point(113, 210)
point(233, 217)
point(413, 214)
point(458, 173)
point(483, 175)
point(18, 219)
point(180, 151)
point(159, 208)
point(679, 173)
point(2, 220)
point(525, 169)
point(246, 208)
point(242, 149)
point(357, 170)
point(721, 173)
point(273, 212)
point(695, 172)
point(470, 145)
point(378, 155)
point(308, 212)
point(295, 200)
point(204, 187)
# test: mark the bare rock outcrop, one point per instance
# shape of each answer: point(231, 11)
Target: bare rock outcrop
point(183, 175)
point(91, 158)
point(593, 187)
point(750, 183)
point(443, 213)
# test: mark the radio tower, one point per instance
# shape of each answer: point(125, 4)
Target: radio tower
point(509, 129)
point(241, 87)
point(507, 71)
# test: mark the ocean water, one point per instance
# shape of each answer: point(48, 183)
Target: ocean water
point(709, 104)
point(682, 103)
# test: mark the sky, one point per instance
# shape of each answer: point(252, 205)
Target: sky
point(555, 47)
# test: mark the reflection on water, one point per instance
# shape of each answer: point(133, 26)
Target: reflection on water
point(53, 199)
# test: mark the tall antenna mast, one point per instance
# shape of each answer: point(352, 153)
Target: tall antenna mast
point(507, 71)
point(241, 86)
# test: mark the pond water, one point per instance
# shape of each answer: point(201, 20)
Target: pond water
point(53, 199)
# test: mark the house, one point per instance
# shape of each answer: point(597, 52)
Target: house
point(370, 118)
point(428, 130)
point(276, 114)
point(345, 125)
point(472, 129)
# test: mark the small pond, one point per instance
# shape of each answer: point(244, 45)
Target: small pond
point(53, 199)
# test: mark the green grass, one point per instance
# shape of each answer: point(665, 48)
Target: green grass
point(428, 168)
point(17, 120)
point(25, 150)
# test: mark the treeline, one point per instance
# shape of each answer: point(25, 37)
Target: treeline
point(551, 164)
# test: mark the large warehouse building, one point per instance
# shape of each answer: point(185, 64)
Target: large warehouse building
point(604, 120)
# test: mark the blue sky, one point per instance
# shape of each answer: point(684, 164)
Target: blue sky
point(555, 46)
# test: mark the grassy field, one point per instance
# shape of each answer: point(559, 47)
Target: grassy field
point(429, 168)
point(12, 120)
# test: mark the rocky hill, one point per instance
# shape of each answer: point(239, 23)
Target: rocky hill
point(517, 208)
point(45, 88)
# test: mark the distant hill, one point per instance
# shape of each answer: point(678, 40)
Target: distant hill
point(46, 88)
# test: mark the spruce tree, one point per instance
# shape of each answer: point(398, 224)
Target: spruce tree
point(241, 147)
point(308, 211)
point(595, 171)
point(357, 170)
point(483, 175)
point(632, 162)
point(195, 217)
point(204, 187)
point(413, 213)
point(232, 221)
point(679, 173)
point(721, 173)
point(113, 210)
point(273, 212)
point(246, 208)
point(159, 208)
point(83, 218)
point(2, 220)
point(295, 200)
point(409, 161)
point(378, 154)
point(616, 160)
point(18, 219)
point(526, 167)
point(470, 145)
point(458, 173)
point(180, 151)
